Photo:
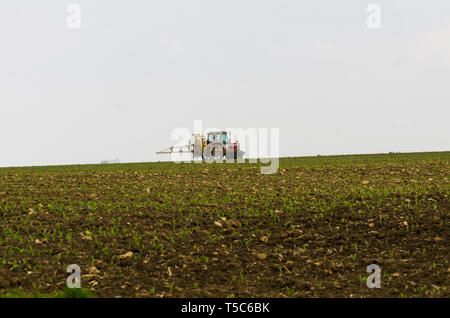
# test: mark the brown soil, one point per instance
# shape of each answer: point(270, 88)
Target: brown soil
point(225, 230)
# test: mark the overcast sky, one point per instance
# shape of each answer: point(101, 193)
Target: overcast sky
point(136, 70)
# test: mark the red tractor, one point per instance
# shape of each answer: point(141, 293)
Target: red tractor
point(215, 146)
point(219, 145)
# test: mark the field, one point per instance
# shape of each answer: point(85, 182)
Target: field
point(225, 230)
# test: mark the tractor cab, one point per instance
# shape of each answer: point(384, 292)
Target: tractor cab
point(215, 145)
point(217, 136)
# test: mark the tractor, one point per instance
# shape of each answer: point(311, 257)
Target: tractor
point(216, 145)
point(219, 145)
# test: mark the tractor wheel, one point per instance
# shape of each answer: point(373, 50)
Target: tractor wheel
point(214, 151)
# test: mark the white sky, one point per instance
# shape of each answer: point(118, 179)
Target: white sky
point(137, 70)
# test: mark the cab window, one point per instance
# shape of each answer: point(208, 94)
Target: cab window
point(224, 138)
